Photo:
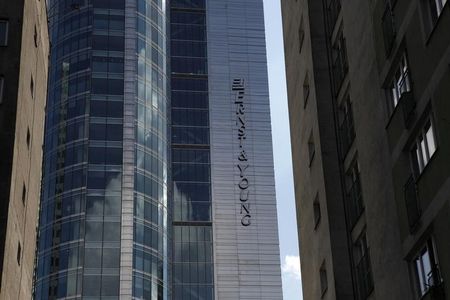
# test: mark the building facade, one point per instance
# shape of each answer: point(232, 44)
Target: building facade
point(24, 51)
point(368, 88)
point(158, 171)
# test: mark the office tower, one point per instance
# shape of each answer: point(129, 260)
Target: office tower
point(23, 88)
point(158, 170)
point(368, 85)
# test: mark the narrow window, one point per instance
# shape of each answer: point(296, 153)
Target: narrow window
point(436, 8)
point(301, 35)
point(28, 138)
point(317, 213)
point(354, 202)
point(363, 268)
point(346, 126)
point(35, 37)
point(427, 268)
point(4, 33)
point(32, 86)
point(323, 279)
point(2, 85)
point(19, 253)
point(305, 90)
point(311, 148)
point(400, 83)
point(24, 193)
point(424, 147)
point(388, 24)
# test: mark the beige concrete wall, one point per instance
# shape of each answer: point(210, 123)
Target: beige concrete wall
point(23, 215)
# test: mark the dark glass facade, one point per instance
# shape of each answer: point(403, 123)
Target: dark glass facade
point(79, 251)
point(192, 219)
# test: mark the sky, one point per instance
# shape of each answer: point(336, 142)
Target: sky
point(290, 262)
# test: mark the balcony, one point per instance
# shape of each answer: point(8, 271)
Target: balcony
point(412, 204)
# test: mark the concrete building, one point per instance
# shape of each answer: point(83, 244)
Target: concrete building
point(24, 51)
point(368, 89)
point(158, 171)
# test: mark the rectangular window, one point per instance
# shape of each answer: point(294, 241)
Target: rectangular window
point(346, 125)
point(19, 253)
point(427, 268)
point(306, 90)
point(362, 267)
point(2, 86)
point(388, 24)
point(424, 147)
point(4, 32)
point(355, 204)
point(436, 8)
point(339, 61)
point(317, 212)
point(301, 35)
point(323, 279)
point(311, 148)
point(400, 83)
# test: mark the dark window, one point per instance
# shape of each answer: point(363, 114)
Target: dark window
point(339, 61)
point(301, 34)
point(28, 138)
point(363, 267)
point(4, 32)
point(317, 212)
point(2, 87)
point(355, 204)
point(436, 8)
point(19, 253)
point(32, 86)
point(311, 148)
point(323, 279)
point(35, 37)
point(24, 193)
point(305, 90)
point(333, 7)
point(346, 125)
point(388, 24)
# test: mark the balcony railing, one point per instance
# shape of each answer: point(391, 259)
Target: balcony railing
point(412, 204)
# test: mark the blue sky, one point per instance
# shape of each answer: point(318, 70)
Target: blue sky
point(282, 152)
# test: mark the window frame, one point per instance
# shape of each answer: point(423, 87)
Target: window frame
point(399, 83)
point(2, 87)
point(6, 22)
point(421, 144)
point(423, 279)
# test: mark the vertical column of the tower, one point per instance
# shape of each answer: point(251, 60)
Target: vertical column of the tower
point(246, 249)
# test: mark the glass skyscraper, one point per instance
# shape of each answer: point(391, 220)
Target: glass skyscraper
point(158, 171)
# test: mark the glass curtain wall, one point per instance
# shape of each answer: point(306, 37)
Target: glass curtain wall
point(150, 255)
point(192, 218)
point(78, 254)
